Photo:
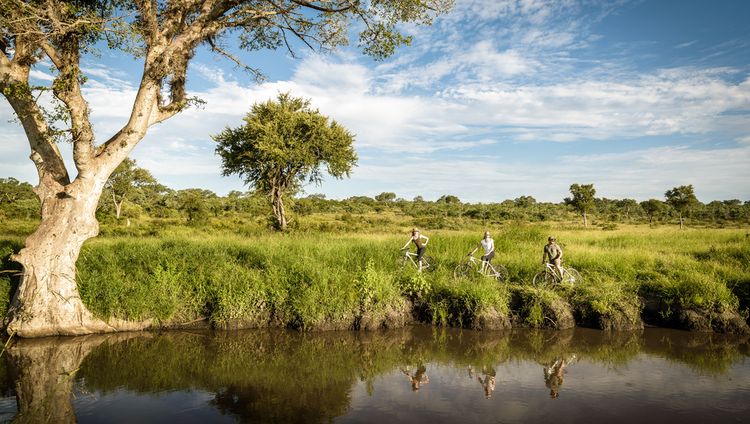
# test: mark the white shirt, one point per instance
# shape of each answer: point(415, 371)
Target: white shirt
point(488, 245)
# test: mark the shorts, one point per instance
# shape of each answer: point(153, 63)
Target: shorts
point(488, 257)
point(556, 262)
point(420, 252)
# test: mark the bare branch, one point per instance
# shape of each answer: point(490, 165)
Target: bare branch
point(215, 48)
point(313, 6)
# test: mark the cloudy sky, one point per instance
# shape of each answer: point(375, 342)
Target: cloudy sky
point(498, 99)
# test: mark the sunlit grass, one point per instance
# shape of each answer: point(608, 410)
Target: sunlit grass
point(314, 279)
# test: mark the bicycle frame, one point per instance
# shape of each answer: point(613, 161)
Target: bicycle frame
point(483, 267)
point(551, 269)
point(412, 257)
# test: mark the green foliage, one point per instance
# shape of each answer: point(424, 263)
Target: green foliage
point(17, 199)
point(415, 285)
point(130, 183)
point(283, 144)
point(681, 198)
point(386, 196)
point(652, 207)
point(583, 198)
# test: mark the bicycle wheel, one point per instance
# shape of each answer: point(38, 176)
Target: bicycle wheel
point(501, 274)
point(428, 264)
point(571, 276)
point(542, 279)
point(461, 271)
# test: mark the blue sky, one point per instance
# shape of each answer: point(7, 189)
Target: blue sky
point(498, 99)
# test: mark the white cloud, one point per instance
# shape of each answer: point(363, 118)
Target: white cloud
point(43, 76)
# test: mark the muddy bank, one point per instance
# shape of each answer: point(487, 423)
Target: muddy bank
point(664, 313)
point(528, 308)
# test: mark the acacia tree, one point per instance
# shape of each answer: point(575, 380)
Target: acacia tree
point(163, 35)
point(283, 144)
point(652, 207)
point(681, 198)
point(125, 180)
point(385, 197)
point(582, 200)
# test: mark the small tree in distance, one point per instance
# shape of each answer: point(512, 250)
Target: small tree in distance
point(283, 144)
point(126, 179)
point(582, 200)
point(386, 196)
point(681, 198)
point(652, 207)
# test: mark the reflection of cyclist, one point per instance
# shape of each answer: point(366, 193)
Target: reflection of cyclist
point(488, 382)
point(417, 238)
point(488, 244)
point(554, 376)
point(553, 253)
point(420, 377)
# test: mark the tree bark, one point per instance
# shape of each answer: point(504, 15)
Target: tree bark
point(681, 220)
point(585, 221)
point(47, 301)
point(277, 202)
point(118, 206)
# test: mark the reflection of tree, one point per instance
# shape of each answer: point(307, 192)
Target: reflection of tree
point(44, 371)
point(282, 376)
point(262, 403)
point(704, 353)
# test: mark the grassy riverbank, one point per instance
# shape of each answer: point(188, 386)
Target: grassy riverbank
point(346, 280)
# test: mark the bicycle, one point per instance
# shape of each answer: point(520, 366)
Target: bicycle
point(549, 276)
point(498, 272)
point(428, 264)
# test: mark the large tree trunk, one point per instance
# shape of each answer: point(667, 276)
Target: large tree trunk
point(47, 301)
point(277, 202)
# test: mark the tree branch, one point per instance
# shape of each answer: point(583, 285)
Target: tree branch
point(215, 48)
point(313, 6)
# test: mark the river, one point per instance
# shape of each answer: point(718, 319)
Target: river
point(410, 375)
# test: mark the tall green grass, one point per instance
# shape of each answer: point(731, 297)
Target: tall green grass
point(330, 280)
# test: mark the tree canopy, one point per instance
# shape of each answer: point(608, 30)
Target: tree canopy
point(681, 198)
point(283, 144)
point(582, 200)
point(164, 35)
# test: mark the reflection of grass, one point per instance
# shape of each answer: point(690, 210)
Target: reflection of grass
point(302, 367)
point(336, 280)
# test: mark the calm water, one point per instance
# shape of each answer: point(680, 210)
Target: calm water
point(417, 374)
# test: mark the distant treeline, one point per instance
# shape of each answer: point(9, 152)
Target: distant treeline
point(197, 206)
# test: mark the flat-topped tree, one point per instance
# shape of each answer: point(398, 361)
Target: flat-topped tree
point(582, 200)
point(283, 144)
point(682, 199)
point(164, 35)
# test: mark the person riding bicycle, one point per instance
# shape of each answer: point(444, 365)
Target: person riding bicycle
point(488, 244)
point(553, 255)
point(417, 238)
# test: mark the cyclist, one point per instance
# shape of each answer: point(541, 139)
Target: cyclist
point(488, 244)
point(553, 255)
point(417, 238)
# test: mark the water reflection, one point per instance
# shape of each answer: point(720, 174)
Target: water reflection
point(280, 376)
point(418, 378)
